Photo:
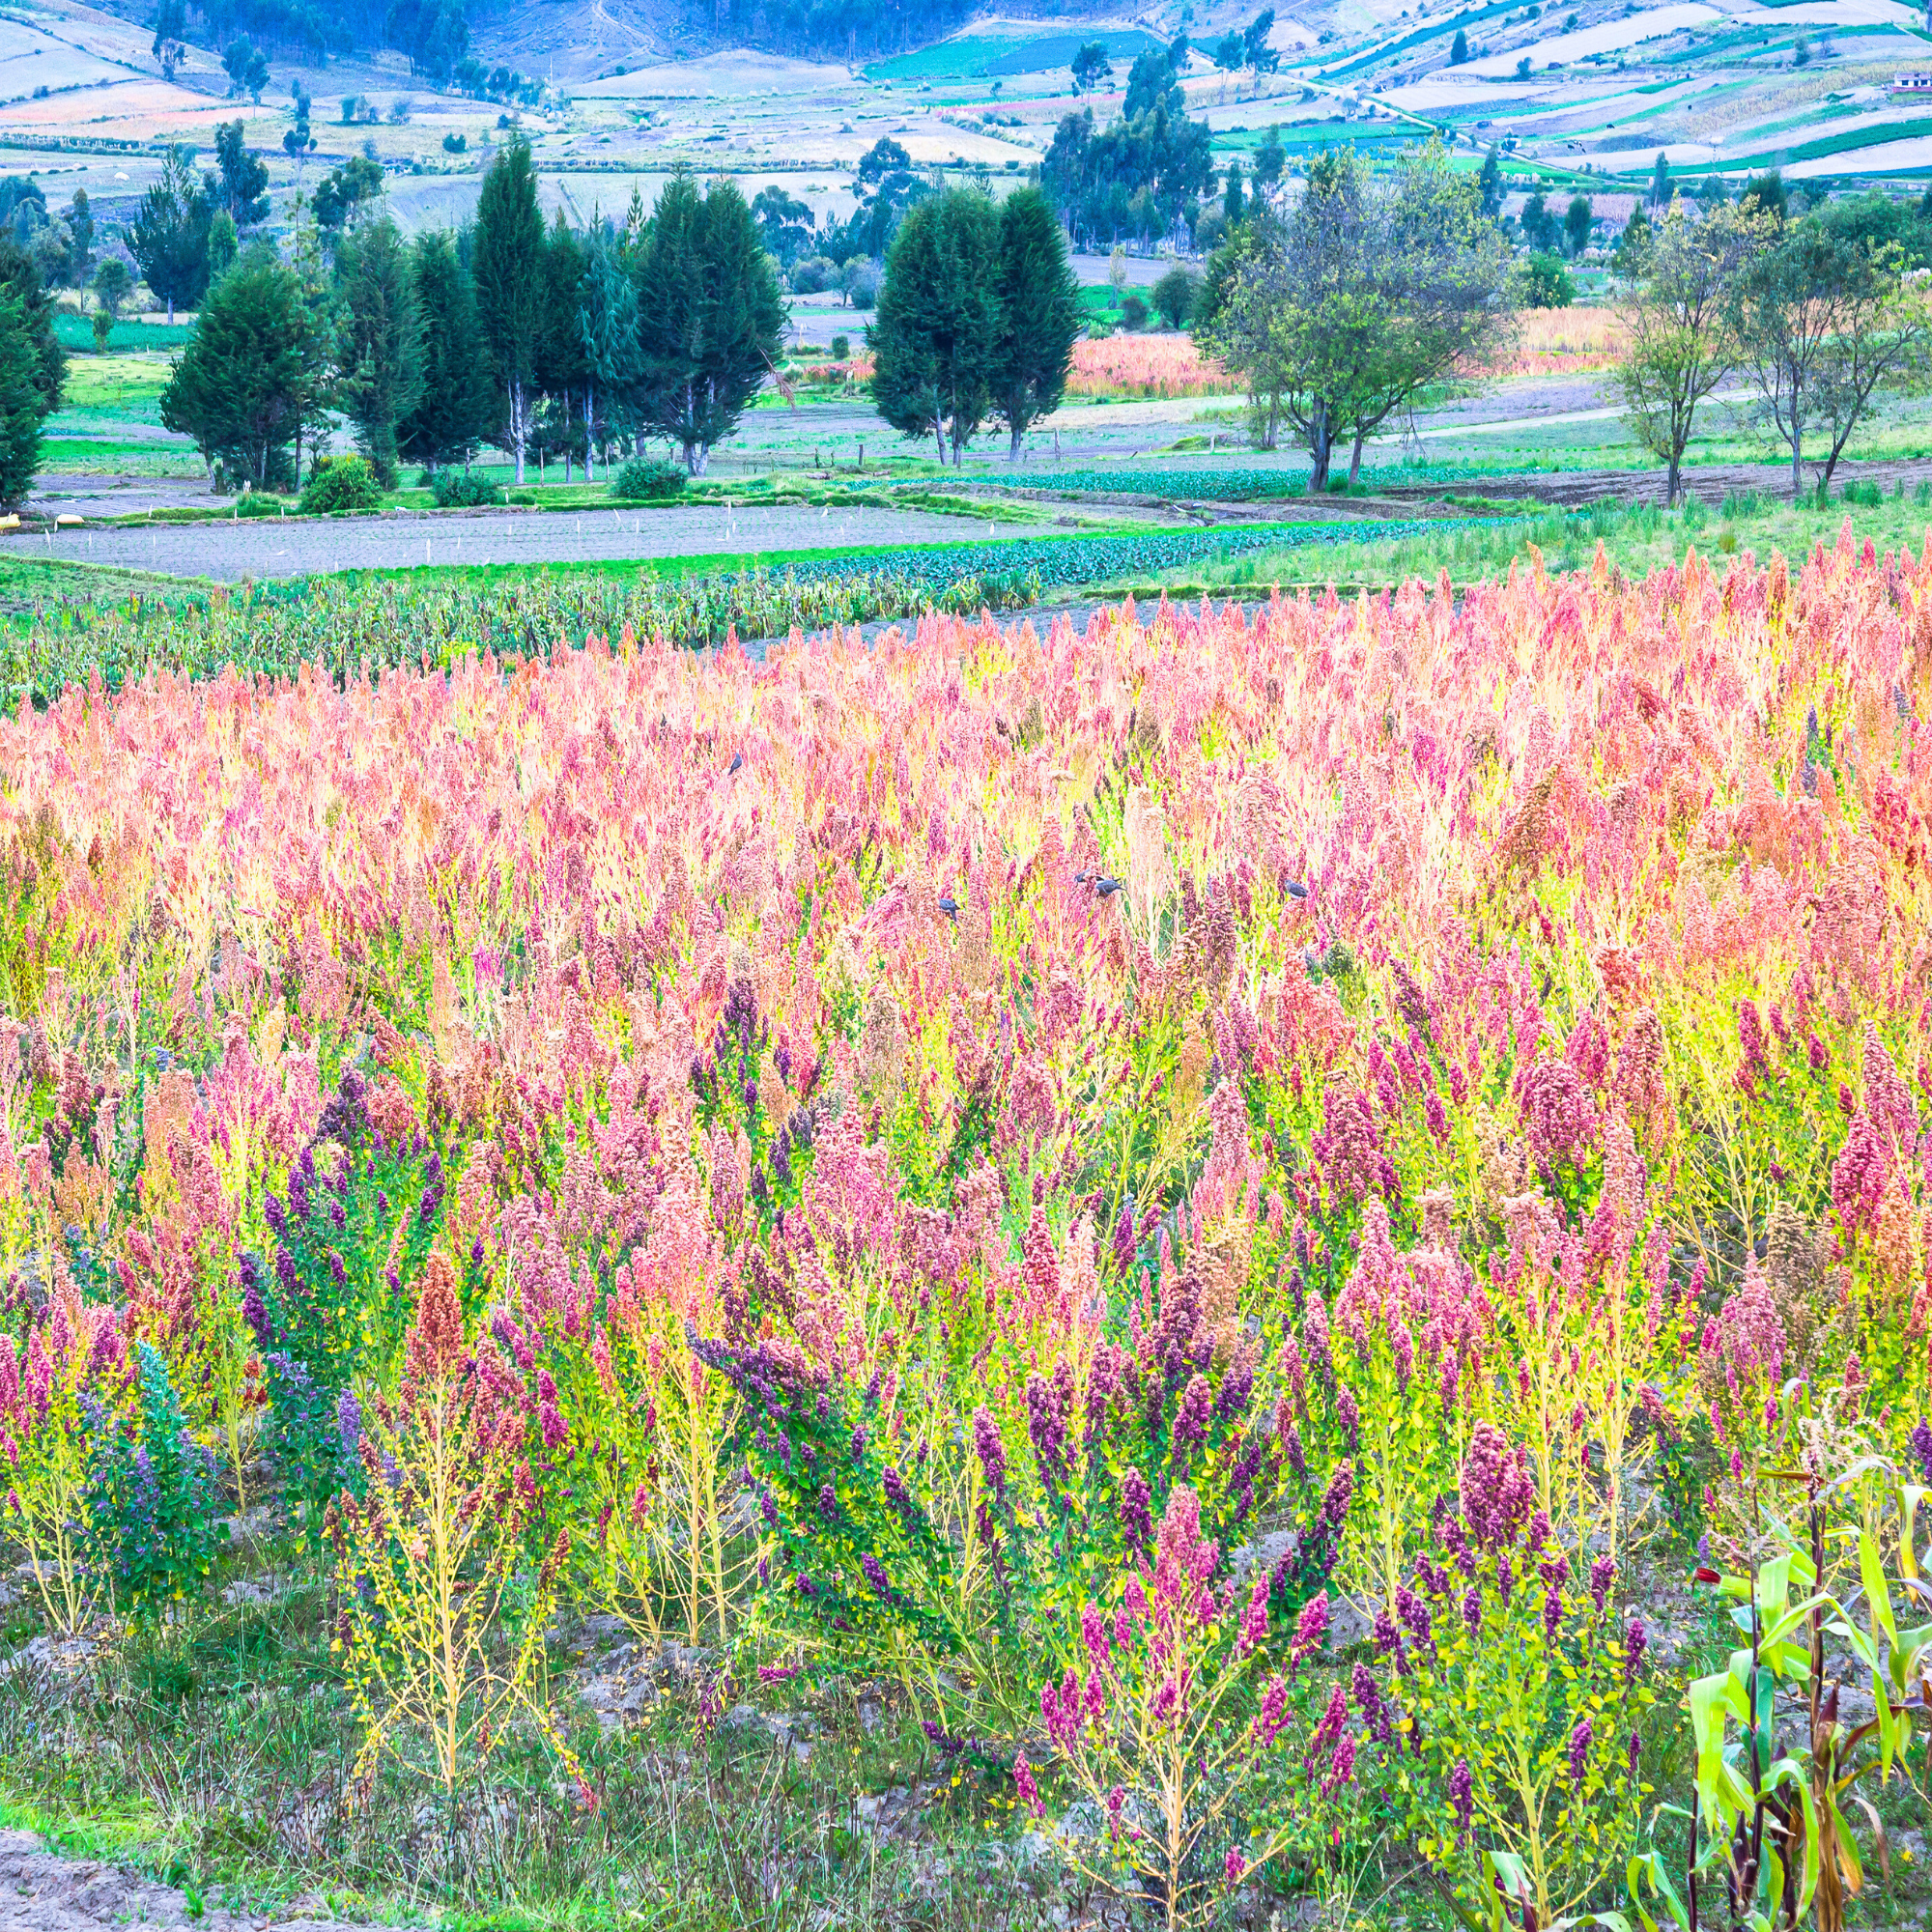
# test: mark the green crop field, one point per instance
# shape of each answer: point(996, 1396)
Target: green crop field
point(75, 333)
point(977, 57)
point(1438, 29)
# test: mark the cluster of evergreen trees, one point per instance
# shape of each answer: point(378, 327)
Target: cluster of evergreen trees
point(548, 343)
point(61, 242)
point(189, 228)
point(1144, 176)
point(435, 34)
point(843, 28)
point(976, 319)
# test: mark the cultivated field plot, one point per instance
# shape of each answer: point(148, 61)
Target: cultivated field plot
point(1264, 1120)
point(228, 551)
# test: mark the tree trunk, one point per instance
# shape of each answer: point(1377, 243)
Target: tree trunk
point(1670, 481)
point(171, 308)
point(516, 427)
point(1014, 453)
point(1319, 446)
point(939, 436)
point(1797, 448)
point(1355, 461)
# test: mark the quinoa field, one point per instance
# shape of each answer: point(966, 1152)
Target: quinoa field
point(1242, 1265)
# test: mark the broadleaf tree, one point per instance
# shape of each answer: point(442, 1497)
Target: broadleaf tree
point(1679, 341)
point(1821, 319)
point(240, 181)
point(1369, 289)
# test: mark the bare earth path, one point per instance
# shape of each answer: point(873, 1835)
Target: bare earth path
point(302, 547)
point(39, 1892)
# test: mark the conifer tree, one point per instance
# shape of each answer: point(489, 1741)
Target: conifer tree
point(456, 407)
point(1039, 315)
point(507, 262)
point(939, 321)
point(379, 352)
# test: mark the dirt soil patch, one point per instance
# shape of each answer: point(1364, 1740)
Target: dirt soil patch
point(307, 546)
point(43, 1893)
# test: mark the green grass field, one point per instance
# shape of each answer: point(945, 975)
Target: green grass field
point(116, 389)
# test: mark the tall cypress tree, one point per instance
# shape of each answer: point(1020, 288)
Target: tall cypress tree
point(508, 258)
point(315, 308)
point(938, 330)
point(169, 236)
point(560, 362)
point(1039, 315)
point(20, 278)
point(21, 410)
point(710, 316)
point(456, 408)
point(80, 226)
point(378, 342)
point(239, 388)
point(606, 323)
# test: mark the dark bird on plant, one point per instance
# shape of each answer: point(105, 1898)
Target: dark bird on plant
point(737, 759)
point(1105, 886)
point(949, 906)
point(1297, 890)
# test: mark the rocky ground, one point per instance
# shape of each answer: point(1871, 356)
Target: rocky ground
point(40, 1892)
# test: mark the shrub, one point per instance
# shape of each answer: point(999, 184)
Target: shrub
point(1134, 314)
point(338, 484)
point(1173, 296)
point(47, 1391)
point(261, 503)
point(648, 480)
point(842, 348)
point(1547, 283)
point(463, 489)
point(861, 281)
point(427, 1554)
point(1865, 495)
point(153, 1525)
point(813, 274)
